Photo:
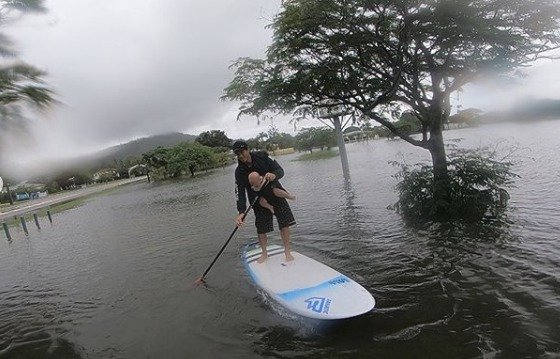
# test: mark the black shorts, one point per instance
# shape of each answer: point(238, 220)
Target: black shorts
point(263, 217)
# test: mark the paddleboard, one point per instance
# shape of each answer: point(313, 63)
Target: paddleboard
point(305, 286)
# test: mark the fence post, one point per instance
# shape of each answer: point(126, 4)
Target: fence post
point(7, 231)
point(24, 225)
point(36, 220)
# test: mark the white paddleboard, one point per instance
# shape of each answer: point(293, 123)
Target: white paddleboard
point(305, 286)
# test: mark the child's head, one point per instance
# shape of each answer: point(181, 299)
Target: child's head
point(255, 180)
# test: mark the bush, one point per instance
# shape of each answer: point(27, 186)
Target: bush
point(478, 183)
point(183, 158)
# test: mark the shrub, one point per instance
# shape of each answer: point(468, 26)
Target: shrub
point(478, 183)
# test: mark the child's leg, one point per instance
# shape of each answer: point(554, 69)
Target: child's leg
point(279, 192)
point(264, 203)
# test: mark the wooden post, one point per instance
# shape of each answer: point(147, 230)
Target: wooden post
point(36, 220)
point(49, 215)
point(24, 225)
point(7, 231)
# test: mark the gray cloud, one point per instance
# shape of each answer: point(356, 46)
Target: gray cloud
point(125, 69)
point(128, 69)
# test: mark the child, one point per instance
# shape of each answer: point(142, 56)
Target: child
point(257, 181)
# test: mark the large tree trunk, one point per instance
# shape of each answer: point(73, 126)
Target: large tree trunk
point(439, 161)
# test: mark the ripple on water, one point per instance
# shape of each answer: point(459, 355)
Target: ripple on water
point(113, 277)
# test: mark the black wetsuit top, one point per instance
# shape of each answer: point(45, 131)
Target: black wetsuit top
point(262, 164)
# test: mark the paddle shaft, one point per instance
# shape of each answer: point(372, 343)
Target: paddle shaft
point(231, 235)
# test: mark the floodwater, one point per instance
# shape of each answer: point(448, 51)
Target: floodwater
point(113, 278)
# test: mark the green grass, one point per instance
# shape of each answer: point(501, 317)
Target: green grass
point(57, 208)
point(42, 212)
point(317, 155)
point(61, 207)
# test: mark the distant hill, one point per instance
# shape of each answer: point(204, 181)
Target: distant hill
point(47, 170)
point(107, 157)
point(527, 111)
point(142, 145)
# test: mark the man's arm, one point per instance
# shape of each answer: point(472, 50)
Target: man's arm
point(240, 189)
point(274, 168)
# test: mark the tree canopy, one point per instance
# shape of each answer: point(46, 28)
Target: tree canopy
point(372, 58)
point(185, 157)
point(315, 137)
point(20, 84)
point(214, 138)
point(363, 54)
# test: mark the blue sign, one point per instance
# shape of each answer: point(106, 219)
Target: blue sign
point(318, 304)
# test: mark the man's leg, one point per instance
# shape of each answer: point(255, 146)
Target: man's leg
point(285, 234)
point(263, 241)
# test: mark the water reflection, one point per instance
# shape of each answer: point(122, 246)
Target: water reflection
point(351, 220)
point(41, 345)
point(36, 329)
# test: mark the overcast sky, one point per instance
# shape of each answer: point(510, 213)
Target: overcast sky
point(126, 69)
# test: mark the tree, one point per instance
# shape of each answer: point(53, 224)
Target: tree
point(182, 158)
point(468, 117)
point(282, 140)
point(276, 139)
point(370, 57)
point(20, 84)
point(258, 142)
point(408, 123)
point(315, 137)
point(214, 138)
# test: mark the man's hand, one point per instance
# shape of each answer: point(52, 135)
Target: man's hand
point(239, 221)
point(269, 176)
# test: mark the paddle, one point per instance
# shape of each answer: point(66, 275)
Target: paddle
point(201, 278)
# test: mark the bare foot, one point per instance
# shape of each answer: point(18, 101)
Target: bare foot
point(262, 258)
point(289, 257)
point(292, 197)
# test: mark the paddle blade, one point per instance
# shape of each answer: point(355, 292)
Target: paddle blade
point(199, 281)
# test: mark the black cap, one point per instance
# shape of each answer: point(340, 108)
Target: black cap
point(239, 145)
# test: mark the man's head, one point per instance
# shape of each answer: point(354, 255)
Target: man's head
point(241, 150)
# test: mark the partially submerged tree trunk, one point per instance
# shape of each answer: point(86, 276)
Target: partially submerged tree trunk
point(439, 113)
point(441, 176)
point(341, 146)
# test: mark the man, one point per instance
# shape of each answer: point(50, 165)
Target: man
point(271, 170)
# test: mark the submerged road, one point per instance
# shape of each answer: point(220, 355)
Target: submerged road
point(51, 200)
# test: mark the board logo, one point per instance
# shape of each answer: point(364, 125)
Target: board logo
point(339, 280)
point(318, 304)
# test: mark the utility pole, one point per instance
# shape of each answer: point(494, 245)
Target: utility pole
point(335, 114)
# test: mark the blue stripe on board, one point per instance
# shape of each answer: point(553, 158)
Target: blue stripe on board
point(294, 294)
point(269, 252)
point(247, 264)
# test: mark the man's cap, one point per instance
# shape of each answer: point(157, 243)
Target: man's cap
point(239, 145)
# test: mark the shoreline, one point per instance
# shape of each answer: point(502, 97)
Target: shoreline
point(58, 198)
